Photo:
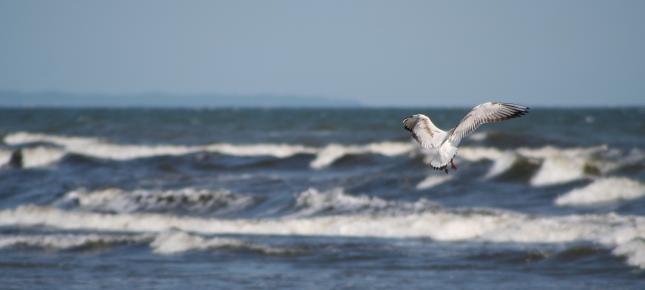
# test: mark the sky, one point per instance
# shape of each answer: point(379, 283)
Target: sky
point(377, 53)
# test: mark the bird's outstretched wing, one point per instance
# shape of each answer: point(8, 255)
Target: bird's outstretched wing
point(424, 132)
point(489, 112)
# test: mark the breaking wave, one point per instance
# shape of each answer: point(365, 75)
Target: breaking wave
point(189, 199)
point(96, 147)
point(603, 190)
point(174, 241)
point(329, 154)
point(550, 165)
point(69, 241)
point(543, 166)
point(620, 233)
point(336, 201)
point(34, 157)
point(432, 181)
point(164, 243)
point(100, 148)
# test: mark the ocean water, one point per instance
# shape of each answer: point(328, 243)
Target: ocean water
point(318, 199)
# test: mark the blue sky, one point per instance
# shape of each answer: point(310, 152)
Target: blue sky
point(380, 53)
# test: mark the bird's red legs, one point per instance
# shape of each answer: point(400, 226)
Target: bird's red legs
point(452, 164)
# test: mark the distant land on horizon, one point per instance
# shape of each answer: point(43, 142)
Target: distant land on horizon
point(162, 100)
point(58, 99)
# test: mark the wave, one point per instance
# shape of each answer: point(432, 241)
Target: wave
point(603, 190)
point(554, 165)
point(314, 202)
point(432, 181)
point(502, 164)
point(546, 166)
point(513, 166)
point(620, 233)
point(189, 199)
point(174, 241)
point(164, 243)
point(99, 148)
point(329, 154)
point(634, 251)
point(34, 157)
point(69, 241)
point(307, 203)
point(5, 155)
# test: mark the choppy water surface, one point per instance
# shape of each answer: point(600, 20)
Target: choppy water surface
point(318, 199)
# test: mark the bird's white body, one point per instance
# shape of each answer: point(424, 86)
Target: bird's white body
point(441, 146)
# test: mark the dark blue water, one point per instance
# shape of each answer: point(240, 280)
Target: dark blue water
point(318, 199)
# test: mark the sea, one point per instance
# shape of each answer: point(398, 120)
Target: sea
point(318, 199)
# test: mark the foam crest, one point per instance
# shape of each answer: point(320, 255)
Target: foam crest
point(68, 241)
point(117, 200)
point(275, 150)
point(173, 242)
point(96, 147)
point(474, 154)
point(432, 181)
point(558, 165)
point(336, 201)
point(562, 165)
point(502, 164)
point(329, 154)
point(41, 156)
point(603, 190)
point(5, 155)
point(99, 148)
point(164, 243)
point(557, 170)
point(634, 251)
point(610, 230)
point(34, 157)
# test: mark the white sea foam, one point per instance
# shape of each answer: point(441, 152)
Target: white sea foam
point(474, 154)
point(432, 181)
point(100, 148)
point(118, 200)
point(165, 243)
point(557, 170)
point(336, 201)
point(41, 156)
point(634, 251)
point(174, 241)
point(611, 230)
point(558, 165)
point(603, 190)
point(68, 241)
point(562, 165)
point(5, 155)
point(501, 164)
point(34, 157)
point(333, 152)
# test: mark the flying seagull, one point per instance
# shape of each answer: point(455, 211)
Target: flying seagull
point(441, 145)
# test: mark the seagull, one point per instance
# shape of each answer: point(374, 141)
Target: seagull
point(441, 145)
